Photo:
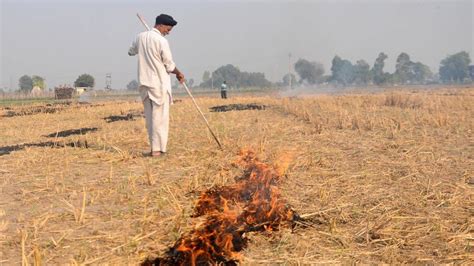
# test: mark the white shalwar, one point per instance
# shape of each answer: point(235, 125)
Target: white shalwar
point(155, 63)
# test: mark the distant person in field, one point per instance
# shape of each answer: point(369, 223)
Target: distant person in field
point(155, 64)
point(224, 90)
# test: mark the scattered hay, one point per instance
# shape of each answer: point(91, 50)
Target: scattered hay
point(62, 103)
point(124, 117)
point(69, 132)
point(231, 212)
point(52, 144)
point(63, 92)
point(382, 185)
point(237, 107)
point(49, 109)
point(403, 100)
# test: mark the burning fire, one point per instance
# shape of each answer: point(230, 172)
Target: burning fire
point(253, 203)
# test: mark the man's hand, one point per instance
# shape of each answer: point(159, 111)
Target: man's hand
point(180, 77)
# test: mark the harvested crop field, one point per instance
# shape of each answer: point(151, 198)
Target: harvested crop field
point(364, 177)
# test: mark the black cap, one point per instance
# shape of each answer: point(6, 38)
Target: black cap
point(165, 20)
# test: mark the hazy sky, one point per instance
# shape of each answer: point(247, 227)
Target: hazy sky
point(59, 40)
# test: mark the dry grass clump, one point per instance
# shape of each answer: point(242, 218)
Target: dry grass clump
point(381, 183)
point(403, 100)
point(387, 112)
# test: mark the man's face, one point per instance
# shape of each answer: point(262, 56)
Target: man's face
point(164, 29)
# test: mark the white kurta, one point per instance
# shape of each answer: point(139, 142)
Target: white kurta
point(155, 63)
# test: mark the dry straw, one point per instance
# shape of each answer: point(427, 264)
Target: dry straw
point(383, 177)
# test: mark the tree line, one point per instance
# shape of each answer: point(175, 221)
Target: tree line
point(26, 83)
point(453, 69)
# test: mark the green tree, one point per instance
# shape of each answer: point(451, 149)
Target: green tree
point(343, 72)
point(455, 68)
point(421, 72)
point(25, 84)
point(229, 73)
point(133, 85)
point(253, 79)
point(404, 72)
point(362, 72)
point(336, 66)
point(233, 76)
point(310, 72)
point(206, 76)
point(379, 76)
point(38, 82)
point(407, 71)
point(286, 79)
point(84, 80)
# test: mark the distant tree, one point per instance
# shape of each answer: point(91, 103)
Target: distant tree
point(421, 73)
point(206, 76)
point(25, 84)
point(455, 68)
point(38, 82)
point(319, 71)
point(325, 78)
point(404, 69)
point(336, 65)
point(176, 84)
point(379, 76)
point(286, 79)
point(407, 71)
point(229, 73)
point(190, 82)
point(343, 72)
point(234, 77)
point(310, 72)
point(253, 79)
point(362, 72)
point(133, 85)
point(347, 73)
point(84, 80)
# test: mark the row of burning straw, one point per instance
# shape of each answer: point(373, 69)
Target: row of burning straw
point(252, 204)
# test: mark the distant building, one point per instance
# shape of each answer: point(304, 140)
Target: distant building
point(471, 71)
point(36, 91)
point(81, 90)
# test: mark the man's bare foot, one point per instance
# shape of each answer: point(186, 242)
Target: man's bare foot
point(156, 153)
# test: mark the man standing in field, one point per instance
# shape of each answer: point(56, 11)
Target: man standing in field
point(224, 90)
point(155, 64)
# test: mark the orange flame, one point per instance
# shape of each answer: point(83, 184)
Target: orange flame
point(253, 203)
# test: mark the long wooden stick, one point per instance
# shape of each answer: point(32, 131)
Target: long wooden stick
point(189, 93)
point(143, 21)
point(202, 115)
